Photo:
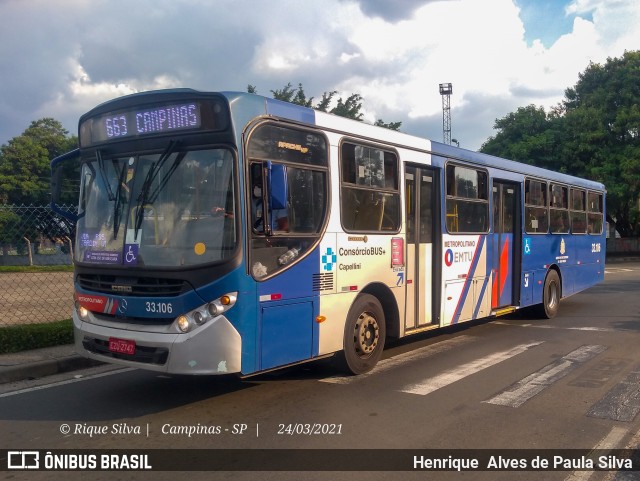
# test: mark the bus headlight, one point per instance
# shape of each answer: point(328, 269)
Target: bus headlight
point(183, 323)
point(83, 312)
point(204, 314)
point(199, 317)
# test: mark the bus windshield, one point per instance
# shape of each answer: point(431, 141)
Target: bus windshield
point(172, 209)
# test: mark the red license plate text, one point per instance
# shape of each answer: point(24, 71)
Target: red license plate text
point(122, 346)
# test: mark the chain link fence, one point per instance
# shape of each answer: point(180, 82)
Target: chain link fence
point(36, 280)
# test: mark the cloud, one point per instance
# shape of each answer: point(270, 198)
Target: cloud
point(60, 60)
point(393, 11)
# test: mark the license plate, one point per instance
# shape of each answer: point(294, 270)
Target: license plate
point(122, 346)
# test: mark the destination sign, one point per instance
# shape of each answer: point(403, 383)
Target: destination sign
point(138, 122)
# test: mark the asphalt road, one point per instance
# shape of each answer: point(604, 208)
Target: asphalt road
point(510, 383)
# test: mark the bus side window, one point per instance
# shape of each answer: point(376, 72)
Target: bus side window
point(536, 209)
point(287, 185)
point(467, 200)
point(370, 200)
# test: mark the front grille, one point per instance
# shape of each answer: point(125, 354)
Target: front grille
point(143, 354)
point(133, 286)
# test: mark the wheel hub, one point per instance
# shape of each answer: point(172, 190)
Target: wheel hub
point(367, 334)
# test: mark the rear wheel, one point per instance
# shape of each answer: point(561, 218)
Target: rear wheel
point(364, 335)
point(550, 296)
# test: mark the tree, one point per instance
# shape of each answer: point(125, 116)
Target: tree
point(293, 95)
point(350, 108)
point(603, 120)
point(390, 125)
point(594, 133)
point(25, 159)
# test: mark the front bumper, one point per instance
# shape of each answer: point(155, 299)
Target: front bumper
point(213, 348)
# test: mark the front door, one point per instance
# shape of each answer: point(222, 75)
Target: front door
point(506, 244)
point(420, 189)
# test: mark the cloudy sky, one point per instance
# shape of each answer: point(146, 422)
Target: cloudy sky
point(61, 58)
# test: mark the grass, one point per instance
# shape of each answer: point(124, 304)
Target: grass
point(34, 336)
point(36, 269)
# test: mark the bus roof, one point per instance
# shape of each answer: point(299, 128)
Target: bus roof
point(373, 133)
point(360, 129)
point(487, 160)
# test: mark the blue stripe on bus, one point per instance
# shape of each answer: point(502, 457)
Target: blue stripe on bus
point(481, 297)
point(467, 283)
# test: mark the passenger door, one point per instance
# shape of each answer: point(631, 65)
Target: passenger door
point(507, 242)
point(420, 207)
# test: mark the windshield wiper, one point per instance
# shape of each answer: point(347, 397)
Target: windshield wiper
point(153, 172)
point(117, 214)
point(103, 174)
point(119, 186)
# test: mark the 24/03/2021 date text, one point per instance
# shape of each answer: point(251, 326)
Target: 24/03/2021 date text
point(309, 429)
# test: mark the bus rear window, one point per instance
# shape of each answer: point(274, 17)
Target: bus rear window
point(595, 213)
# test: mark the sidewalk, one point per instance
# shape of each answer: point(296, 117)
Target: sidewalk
point(43, 362)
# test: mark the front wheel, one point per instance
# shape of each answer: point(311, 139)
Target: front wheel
point(550, 296)
point(364, 335)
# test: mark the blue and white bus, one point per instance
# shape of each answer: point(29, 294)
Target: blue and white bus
point(233, 233)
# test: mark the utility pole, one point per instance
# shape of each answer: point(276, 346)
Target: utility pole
point(446, 90)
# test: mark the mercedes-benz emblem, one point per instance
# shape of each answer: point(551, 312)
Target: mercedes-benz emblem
point(122, 308)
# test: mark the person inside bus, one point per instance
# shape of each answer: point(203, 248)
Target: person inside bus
point(279, 217)
point(256, 198)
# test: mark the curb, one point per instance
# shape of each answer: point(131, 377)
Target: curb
point(40, 369)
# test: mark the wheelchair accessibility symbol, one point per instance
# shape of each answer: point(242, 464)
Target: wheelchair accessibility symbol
point(527, 246)
point(131, 254)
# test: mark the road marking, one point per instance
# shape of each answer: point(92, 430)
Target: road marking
point(64, 383)
point(449, 377)
point(520, 392)
point(395, 361)
point(611, 441)
point(622, 402)
point(613, 270)
point(548, 326)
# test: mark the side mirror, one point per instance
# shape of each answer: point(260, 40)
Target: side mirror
point(65, 176)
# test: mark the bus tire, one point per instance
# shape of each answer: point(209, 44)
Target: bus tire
point(364, 335)
point(550, 296)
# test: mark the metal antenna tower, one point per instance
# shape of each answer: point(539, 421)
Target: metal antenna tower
point(446, 90)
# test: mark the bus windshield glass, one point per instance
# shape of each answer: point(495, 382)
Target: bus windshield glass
point(171, 209)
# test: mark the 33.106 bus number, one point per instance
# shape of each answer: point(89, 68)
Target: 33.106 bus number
point(595, 247)
point(159, 307)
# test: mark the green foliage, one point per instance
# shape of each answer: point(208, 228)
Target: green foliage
point(9, 234)
point(34, 336)
point(293, 95)
point(25, 160)
point(350, 107)
point(390, 125)
point(324, 104)
point(53, 268)
point(594, 133)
